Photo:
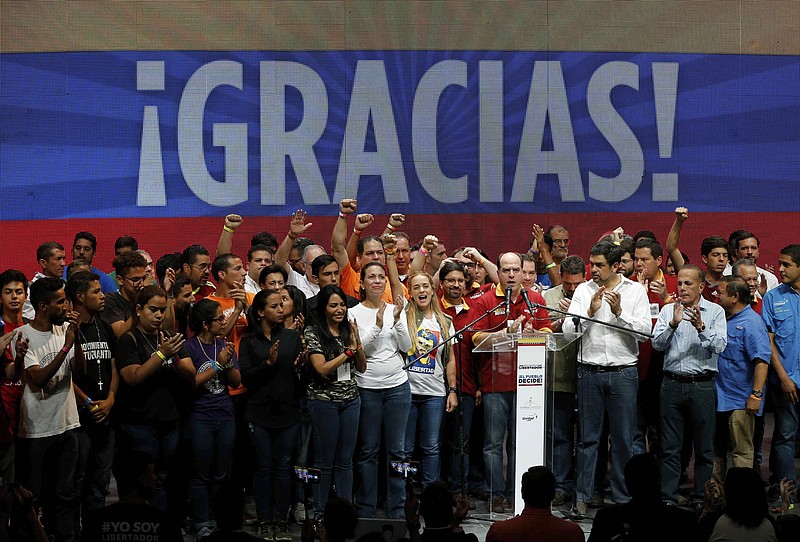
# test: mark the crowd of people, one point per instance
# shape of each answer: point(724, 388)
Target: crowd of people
point(229, 371)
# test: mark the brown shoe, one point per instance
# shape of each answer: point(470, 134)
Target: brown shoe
point(497, 505)
point(560, 499)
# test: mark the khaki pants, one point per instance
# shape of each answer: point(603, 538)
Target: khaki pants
point(734, 432)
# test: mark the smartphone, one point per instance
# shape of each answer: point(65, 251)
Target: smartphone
point(307, 474)
point(405, 469)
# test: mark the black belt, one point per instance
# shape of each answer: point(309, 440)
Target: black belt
point(690, 379)
point(593, 368)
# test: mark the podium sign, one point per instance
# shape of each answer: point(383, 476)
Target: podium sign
point(531, 410)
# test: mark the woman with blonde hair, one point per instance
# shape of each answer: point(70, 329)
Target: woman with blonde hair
point(432, 375)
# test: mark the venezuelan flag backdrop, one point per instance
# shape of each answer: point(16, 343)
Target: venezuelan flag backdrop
point(475, 119)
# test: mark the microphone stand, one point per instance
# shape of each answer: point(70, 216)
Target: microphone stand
point(460, 419)
point(573, 514)
point(458, 334)
point(576, 318)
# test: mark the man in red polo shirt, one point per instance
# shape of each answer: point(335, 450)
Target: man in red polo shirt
point(661, 289)
point(499, 372)
point(453, 278)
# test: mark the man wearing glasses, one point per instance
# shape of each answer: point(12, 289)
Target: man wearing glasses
point(470, 258)
point(131, 269)
point(550, 247)
point(196, 264)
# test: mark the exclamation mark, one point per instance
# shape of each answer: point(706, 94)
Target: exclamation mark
point(665, 87)
point(151, 190)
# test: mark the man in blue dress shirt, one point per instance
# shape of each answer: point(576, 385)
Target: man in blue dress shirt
point(692, 333)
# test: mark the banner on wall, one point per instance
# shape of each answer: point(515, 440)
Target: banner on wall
point(182, 134)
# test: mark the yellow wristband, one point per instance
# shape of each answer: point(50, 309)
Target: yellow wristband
point(161, 355)
point(549, 266)
point(227, 229)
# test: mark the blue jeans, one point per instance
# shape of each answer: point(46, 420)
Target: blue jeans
point(459, 472)
point(212, 444)
point(95, 456)
point(784, 438)
point(274, 449)
point(160, 442)
point(598, 393)
point(692, 403)
point(388, 407)
point(499, 420)
point(561, 458)
point(334, 427)
point(425, 418)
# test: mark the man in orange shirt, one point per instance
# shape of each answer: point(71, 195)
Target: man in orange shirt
point(368, 249)
point(229, 272)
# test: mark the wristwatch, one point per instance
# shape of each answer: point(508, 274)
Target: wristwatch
point(349, 352)
point(757, 393)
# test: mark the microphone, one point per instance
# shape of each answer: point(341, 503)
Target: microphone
point(508, 304)
point(528, 302)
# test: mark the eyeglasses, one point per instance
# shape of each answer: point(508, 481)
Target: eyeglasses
point(454, 281)
point(135, 280)
point(219, 320)
point(203, 267)
point(561, 242)
point(295, 262)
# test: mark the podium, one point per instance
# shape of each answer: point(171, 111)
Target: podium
point(533, 359)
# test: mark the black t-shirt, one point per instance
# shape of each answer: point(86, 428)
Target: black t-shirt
point(126, 522)
point(118, 309)
point(98, 343)
point(153, 400)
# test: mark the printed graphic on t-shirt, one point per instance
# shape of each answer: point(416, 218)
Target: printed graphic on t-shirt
point(425, 340)
point(214, 385)
point(60, 381)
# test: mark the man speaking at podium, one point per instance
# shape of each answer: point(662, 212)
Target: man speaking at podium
point(499, 372)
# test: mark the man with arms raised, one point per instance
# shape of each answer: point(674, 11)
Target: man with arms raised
point(364, 250)
point(607, 378)
point(303, 280)
point(691, 332)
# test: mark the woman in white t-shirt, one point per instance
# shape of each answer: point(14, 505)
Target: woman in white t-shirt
point(383, 388)
point(432, 375)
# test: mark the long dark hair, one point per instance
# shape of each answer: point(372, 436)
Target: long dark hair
point(326, 337)
point(259, 302)
point(298, 300)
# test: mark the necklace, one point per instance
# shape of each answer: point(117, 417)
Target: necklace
point(203, 348)
point(143, 334)
point(99, 339)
